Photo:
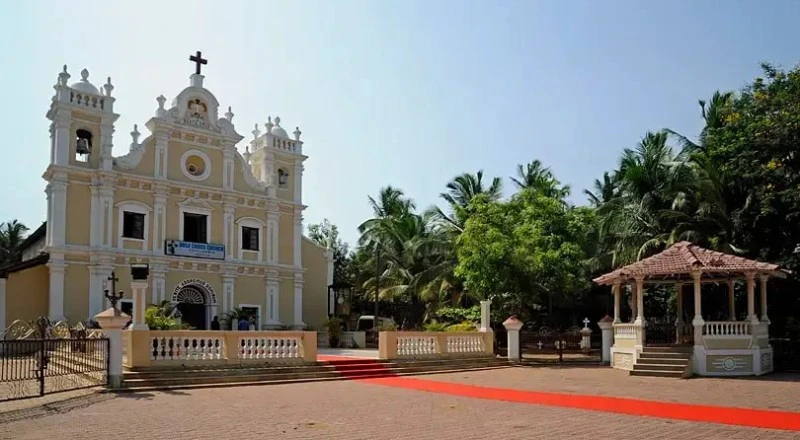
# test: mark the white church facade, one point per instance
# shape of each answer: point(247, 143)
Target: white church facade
point(218, 229)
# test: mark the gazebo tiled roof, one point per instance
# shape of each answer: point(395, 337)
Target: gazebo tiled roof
point(677, 263)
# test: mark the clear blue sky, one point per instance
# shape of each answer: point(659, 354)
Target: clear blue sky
point(407, 93)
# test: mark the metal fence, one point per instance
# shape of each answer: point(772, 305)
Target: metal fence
point(35, 367)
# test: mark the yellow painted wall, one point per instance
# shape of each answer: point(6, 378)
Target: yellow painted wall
point(78, 214)
point(285, 192)
point(76, 292)
point(315, 288)
point(27, 294)
point(251, 290)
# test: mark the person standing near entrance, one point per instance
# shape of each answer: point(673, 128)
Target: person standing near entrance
point(215, 323)
point(244, 324)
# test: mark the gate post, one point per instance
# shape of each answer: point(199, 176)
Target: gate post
point(112, 321)
point(606, 325)
point(513, 326)
point(485, 313)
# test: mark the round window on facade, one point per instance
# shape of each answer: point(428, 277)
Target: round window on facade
point(196, 165)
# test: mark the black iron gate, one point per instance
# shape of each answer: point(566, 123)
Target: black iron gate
point(35, 367)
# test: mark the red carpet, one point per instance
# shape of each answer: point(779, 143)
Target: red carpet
point(756, 418)
point(366, 370)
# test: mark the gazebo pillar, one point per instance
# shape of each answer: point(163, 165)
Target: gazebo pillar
point(731, 302)
point(634, 302)
point(679, 312)
point(615, 291)
point(764, 317)
point(639, 300)
point(697, 322)
point(751, 298)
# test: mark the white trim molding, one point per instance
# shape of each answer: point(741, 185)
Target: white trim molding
point(250, 222)
point(3, 303)
point(258, 313)
point(136, 207)
point(206, 164)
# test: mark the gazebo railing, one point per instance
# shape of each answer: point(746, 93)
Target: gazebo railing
point(727, 328)
point(627, 331)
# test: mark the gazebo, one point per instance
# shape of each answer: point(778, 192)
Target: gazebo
point(717, 348)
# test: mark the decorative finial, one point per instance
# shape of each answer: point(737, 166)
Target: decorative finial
point(85, 75)
point(256, 132)
point(63, 76)
point(229, 114)
point(109, 87)
point(246, 154)
point(269, 124)
point(278, 121)
point(297, 133)
point(135, 135)
point(161, 110)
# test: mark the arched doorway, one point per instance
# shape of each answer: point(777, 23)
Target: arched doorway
point(196, 300)
point(192, 305)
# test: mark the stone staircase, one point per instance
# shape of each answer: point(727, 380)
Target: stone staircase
point(664, 361)
point(340, 369)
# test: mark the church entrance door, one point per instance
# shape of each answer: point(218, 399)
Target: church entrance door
point(192, 305)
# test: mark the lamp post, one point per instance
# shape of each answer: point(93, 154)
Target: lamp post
point(114, 298)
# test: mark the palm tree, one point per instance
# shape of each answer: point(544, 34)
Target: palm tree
point(11, 237)
point(604, 190)
point(535, 175)
point(460, 193)
point(713, 115)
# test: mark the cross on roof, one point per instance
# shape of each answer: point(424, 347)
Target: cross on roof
point(198, 60)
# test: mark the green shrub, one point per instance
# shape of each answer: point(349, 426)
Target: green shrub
point(435, 326)
point(387, 326)
point(465, 326)
point(459, 314)
point(156, 319)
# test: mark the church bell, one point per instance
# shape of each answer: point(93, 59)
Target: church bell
point(83, 146)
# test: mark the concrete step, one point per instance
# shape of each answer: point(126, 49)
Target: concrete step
point(661, 355)
point(640, 366)
point(656, 373)
point(663, 361)
point(145, 387)
point(667, 349)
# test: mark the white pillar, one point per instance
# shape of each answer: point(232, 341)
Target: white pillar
point(62, 139)
point(679, 312)
point(159, 283)
point(298, 234)
point(697, 322)
point(731, 302)
point(640, 301)
point(112, 321)
point(228, 290)
point(606, 327)
point(57, 267)
point(764, 317)
point(2, 304)
point(272, 299)
point(139, 304)
point(298, 182)
point(228, 231)
point(513, 326)
point(95, 220)
point(97, 274)
point(751, 298)
point(615, 290)
point(272, 237)
point(159, 222)
point(298, 301)
point(485, 316)
point(634, 302)
point(58, 199)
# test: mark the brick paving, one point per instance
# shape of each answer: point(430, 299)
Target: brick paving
point(774, 391)
point(350, 410)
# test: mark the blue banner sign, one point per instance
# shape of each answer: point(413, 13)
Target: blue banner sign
point(196, 250)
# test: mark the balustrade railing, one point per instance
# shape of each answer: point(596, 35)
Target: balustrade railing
point(726, 328)
point(145, 348)
point(434, 344)
point(627, 331)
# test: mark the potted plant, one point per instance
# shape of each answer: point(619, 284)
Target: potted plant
point(334, 327)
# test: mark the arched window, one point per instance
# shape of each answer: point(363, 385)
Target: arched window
point(83, 145)
point(283, 178)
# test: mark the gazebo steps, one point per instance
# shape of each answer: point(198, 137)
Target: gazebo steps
point(663, 361)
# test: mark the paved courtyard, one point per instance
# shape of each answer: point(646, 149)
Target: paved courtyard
point(370, 410)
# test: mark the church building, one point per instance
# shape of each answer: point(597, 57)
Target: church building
point(218, 229)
